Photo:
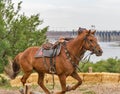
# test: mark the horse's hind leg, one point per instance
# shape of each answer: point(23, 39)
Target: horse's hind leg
point(76, 76)
point(41, 83)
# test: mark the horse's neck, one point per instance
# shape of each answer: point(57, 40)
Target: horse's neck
point(75, 47)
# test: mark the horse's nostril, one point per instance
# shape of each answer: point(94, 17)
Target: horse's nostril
point(100, 51)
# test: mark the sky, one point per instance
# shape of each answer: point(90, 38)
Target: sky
point(71, 14)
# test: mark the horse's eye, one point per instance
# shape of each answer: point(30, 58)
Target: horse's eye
point(91, 40)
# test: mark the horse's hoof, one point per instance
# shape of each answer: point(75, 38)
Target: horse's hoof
point(21, 90)
point(68, 88)
point(52, 92)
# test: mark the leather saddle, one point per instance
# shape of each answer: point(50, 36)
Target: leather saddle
point(48, 50)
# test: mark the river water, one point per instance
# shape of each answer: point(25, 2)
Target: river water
point(110, 50)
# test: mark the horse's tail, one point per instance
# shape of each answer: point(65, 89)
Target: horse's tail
point(12, 69)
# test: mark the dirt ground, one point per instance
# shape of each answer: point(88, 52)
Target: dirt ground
point(96, 88)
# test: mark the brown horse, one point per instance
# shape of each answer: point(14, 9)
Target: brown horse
point(65, 65)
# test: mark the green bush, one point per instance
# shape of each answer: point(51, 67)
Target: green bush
point(109, 65)
point(3, 81)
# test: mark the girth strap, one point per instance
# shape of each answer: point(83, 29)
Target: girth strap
point(52, 62)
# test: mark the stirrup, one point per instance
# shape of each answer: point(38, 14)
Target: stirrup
point(52, 70)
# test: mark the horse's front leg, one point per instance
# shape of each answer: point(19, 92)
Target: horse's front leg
point(27, 69)
point(62, 79)
point(25, 76)
point(76, 76)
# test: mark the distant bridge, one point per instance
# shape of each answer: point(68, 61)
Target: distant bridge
point(108, 36)
point(103, 36)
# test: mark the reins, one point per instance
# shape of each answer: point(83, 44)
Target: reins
point(85, 60)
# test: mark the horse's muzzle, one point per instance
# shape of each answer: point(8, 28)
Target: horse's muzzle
point(99, 53)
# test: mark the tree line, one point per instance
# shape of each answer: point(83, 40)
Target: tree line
point(18, 31)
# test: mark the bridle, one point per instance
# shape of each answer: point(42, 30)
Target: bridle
point(94, 48)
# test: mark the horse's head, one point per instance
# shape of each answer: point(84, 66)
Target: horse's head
point(90, 42)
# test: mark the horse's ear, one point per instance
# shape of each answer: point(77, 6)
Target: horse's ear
point(89, 32)
point(92, 32)
point(79, 30)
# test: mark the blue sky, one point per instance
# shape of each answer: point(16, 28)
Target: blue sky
point(71, 14)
